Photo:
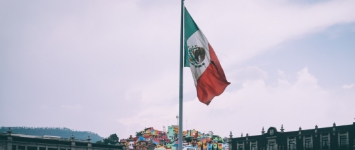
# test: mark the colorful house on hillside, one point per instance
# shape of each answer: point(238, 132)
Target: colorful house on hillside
point(151, 138)
point(172, 132)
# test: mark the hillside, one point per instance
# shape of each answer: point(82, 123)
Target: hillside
point(62, 132)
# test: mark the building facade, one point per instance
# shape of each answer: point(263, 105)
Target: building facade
point(328, 138)
point(9, 141)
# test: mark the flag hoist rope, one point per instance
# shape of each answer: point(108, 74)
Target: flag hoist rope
point(181, 76)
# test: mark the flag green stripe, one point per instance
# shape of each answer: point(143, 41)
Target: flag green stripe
point(190, 28)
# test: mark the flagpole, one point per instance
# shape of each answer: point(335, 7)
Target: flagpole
point(181, 76)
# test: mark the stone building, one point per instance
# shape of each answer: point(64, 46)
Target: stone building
point(328, 138)
point(9, 141)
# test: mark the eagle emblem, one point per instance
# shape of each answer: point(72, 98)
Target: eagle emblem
point(197, 56)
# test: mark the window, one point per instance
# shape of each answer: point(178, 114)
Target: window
point(292, 144)
point(308, 143)
point(240, 147)
point(272, 146)
point(343, 140)
point(253, 146)
point(325, 141)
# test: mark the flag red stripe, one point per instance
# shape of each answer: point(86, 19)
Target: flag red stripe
point(213, 81)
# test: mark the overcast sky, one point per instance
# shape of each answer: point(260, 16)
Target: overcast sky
point(113, 66)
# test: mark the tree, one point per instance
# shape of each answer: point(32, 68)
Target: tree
point(138, 134)
point(188, 139)
point(111, 140)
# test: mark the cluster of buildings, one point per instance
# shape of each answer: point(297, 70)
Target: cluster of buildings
point(328, 138)
point(150, 139)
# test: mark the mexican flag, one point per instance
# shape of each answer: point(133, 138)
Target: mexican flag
point(207, 72)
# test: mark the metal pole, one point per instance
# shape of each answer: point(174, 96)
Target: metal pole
point(181, 76)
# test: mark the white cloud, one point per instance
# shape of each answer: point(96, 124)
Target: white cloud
point(345, 86)
point(306, 80)
point(247, 73)
point(251, 107)
point(280, 72)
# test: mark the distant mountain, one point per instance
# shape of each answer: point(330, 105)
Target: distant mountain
point(62, 132)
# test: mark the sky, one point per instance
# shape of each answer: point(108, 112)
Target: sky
point(113, 66)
